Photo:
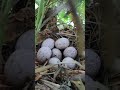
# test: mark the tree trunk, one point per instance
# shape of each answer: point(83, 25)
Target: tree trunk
point(79, 29)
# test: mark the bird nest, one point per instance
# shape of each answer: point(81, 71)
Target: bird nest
point(49, 78)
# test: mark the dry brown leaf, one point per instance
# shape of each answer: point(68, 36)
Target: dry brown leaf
point(79, 85)
point(43, 68)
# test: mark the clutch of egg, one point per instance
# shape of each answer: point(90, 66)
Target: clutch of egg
point(51, 50)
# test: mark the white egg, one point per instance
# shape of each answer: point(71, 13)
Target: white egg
point(62, 43)
point(20, 67)
point(49, 42)
point(54, 61)
point(92, 62)
point(43, 54)
point(69, 63)
point(70, 52)
point(56, 53)
point(26, 41)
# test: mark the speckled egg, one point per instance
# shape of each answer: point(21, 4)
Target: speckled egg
point(70, 52)
point(26, 41)
point(69, 63)
point(49, 42)
point(54, 61)
point(43, 54)
point(19, 67)
point(62, 43)
point(57, 53)
point(92, 62)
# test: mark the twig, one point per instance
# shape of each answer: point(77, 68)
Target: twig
point(51, 84)
point(54, 12)
point(79, 28)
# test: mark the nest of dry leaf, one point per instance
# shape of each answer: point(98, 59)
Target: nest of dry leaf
point(48, 78)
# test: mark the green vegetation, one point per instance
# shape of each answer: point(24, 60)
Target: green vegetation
point(64, 19)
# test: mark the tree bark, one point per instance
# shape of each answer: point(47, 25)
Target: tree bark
point(79, 29)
